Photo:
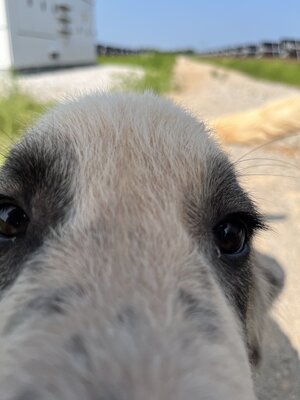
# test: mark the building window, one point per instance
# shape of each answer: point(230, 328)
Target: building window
point(54, 55)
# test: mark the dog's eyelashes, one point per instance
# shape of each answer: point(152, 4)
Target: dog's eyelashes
point(230, 237)
point(13, 221)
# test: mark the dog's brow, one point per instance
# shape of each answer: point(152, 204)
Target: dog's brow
point(220, 195)
point(36, 164)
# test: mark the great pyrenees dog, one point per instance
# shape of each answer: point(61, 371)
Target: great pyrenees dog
point(127, 267)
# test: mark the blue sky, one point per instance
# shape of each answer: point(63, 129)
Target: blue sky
point(201, 24)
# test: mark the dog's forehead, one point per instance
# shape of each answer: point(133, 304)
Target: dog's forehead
point(129, 126)
point(116, 142)
point(132, 129)
point(119, 131)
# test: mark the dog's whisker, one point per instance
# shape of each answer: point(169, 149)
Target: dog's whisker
point(281, 162)
point(253, 150)
point(250, 167)
point(271, 175)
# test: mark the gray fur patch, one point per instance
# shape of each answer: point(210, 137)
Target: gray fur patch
point(27, 394)
point(205, 317)
point(77, 347)
point(127, 316)
point(46, 305)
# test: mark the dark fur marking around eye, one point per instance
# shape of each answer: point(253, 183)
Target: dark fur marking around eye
point(38, 178)
point(206, 318)
point(224, 197)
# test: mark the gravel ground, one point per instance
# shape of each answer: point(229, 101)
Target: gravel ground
point(272, 176)
point(73, 82)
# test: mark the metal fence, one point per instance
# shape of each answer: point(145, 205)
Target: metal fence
point(286, 48)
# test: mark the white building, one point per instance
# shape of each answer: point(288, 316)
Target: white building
point(44, 33)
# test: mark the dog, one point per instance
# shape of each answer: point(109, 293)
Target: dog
point(276, 120)
point(127, 262)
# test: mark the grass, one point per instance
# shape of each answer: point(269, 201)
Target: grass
point(275, 70)
point(158, 68)
point(17, 111)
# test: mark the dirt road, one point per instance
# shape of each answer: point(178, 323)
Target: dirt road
point(273, 178)
point(209, 91)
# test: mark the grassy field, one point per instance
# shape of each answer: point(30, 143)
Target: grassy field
point(275, 70)
point(158, 69)
point(17, 111)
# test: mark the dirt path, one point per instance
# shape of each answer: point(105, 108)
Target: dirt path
point(209, 92)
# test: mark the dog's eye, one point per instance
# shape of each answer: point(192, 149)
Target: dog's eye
point(230, 236)
point(13, 221)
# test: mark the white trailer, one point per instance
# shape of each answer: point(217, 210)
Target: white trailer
point(46, 33)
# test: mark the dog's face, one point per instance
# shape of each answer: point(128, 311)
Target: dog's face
point(127, 269)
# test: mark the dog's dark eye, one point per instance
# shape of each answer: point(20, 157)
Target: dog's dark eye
point(231, 236)
point(13, 221)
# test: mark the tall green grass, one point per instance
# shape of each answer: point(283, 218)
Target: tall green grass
point(17, 111)
point(275, 70)
point(158, 69)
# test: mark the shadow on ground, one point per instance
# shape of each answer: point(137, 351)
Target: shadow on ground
point(278, 377)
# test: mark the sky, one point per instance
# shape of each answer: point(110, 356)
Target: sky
point(201, 25)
